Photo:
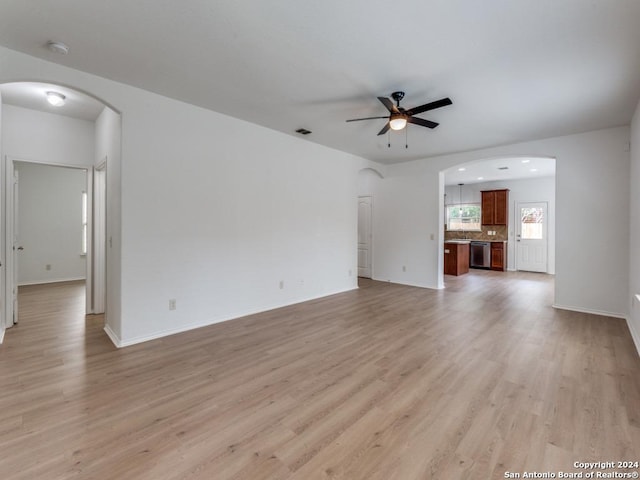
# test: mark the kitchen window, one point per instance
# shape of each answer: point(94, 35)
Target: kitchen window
point(464, 217)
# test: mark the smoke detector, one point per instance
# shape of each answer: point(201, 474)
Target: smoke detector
point(57, 47)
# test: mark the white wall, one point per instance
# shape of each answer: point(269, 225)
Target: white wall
point(541, 189)
point(3, 292)
point(634, 237)
point(592, 210)
point(216, 212)
point(50, 223)
point(46, 137)
point(107, 146)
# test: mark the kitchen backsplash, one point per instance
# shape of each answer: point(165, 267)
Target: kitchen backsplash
point(502, 232)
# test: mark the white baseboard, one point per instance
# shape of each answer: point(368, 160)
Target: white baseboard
point(192, 326)
point(588, 310)
point(635, 336)
point(409, 284)
point(2, 330)
point(51, 280)
point(112, 336)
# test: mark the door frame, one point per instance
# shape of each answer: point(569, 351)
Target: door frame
point(370, 197)
point(9, 223)
point(97, 240)
point(545, 230)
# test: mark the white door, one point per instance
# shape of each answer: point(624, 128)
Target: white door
point(531, 236)
point(364, 236)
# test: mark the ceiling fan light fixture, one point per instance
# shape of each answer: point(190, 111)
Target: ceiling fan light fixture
point(398, 122)
point(56, 99)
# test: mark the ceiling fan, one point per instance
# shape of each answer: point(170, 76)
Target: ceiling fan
point(399, 117)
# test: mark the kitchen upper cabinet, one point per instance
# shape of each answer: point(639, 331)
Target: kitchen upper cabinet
point(495, 207)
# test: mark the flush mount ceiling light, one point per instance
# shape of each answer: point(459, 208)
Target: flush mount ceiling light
point(58, 47)
point(56, 99)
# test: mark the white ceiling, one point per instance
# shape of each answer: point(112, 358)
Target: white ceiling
point(34, 96)
point(497, 169)
point(515, 70)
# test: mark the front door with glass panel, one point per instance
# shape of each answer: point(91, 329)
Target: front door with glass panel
point(531, 237)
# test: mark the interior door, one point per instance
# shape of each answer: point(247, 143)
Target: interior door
point(364, 236)
point(531, 237)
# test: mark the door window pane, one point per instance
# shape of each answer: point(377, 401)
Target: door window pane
point(531, 223)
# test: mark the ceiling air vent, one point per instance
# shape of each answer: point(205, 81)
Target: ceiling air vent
point(303, 131)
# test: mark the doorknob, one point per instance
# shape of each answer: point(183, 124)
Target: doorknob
point(20, 248)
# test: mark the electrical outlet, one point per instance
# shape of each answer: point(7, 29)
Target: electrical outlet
point(172, 304)
point(432, 237)
point(47, 266)
point(281, 284)
point(404, 268)
point(350, 272)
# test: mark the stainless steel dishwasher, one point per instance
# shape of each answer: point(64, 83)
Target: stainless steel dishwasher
point(480, 255)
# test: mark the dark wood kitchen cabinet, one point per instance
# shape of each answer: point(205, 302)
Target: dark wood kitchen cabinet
point(498, 256)
point(456, 258)
point(495, 207)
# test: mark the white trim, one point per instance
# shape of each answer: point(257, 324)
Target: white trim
point(590, 311)
point(9, 275)
point(113, 337)
point(370, 197)
point(184, 328)
point(2, 330)
point(88, 264)
point(51, 280)
point(409, 284)
point(635, 336)
point(50, 164)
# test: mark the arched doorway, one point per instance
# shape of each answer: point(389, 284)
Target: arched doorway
point(41, 136)
point(530, 180)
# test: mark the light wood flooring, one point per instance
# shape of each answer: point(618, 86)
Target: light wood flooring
point(385, 382)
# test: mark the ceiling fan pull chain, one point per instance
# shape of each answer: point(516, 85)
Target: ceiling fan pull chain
point(406, 137)
point(389, 139)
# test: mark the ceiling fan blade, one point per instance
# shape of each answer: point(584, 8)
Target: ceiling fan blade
point(430, 106)
point(388, 104)
point(368, 118)
point(385, 129)
point(422, 122)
